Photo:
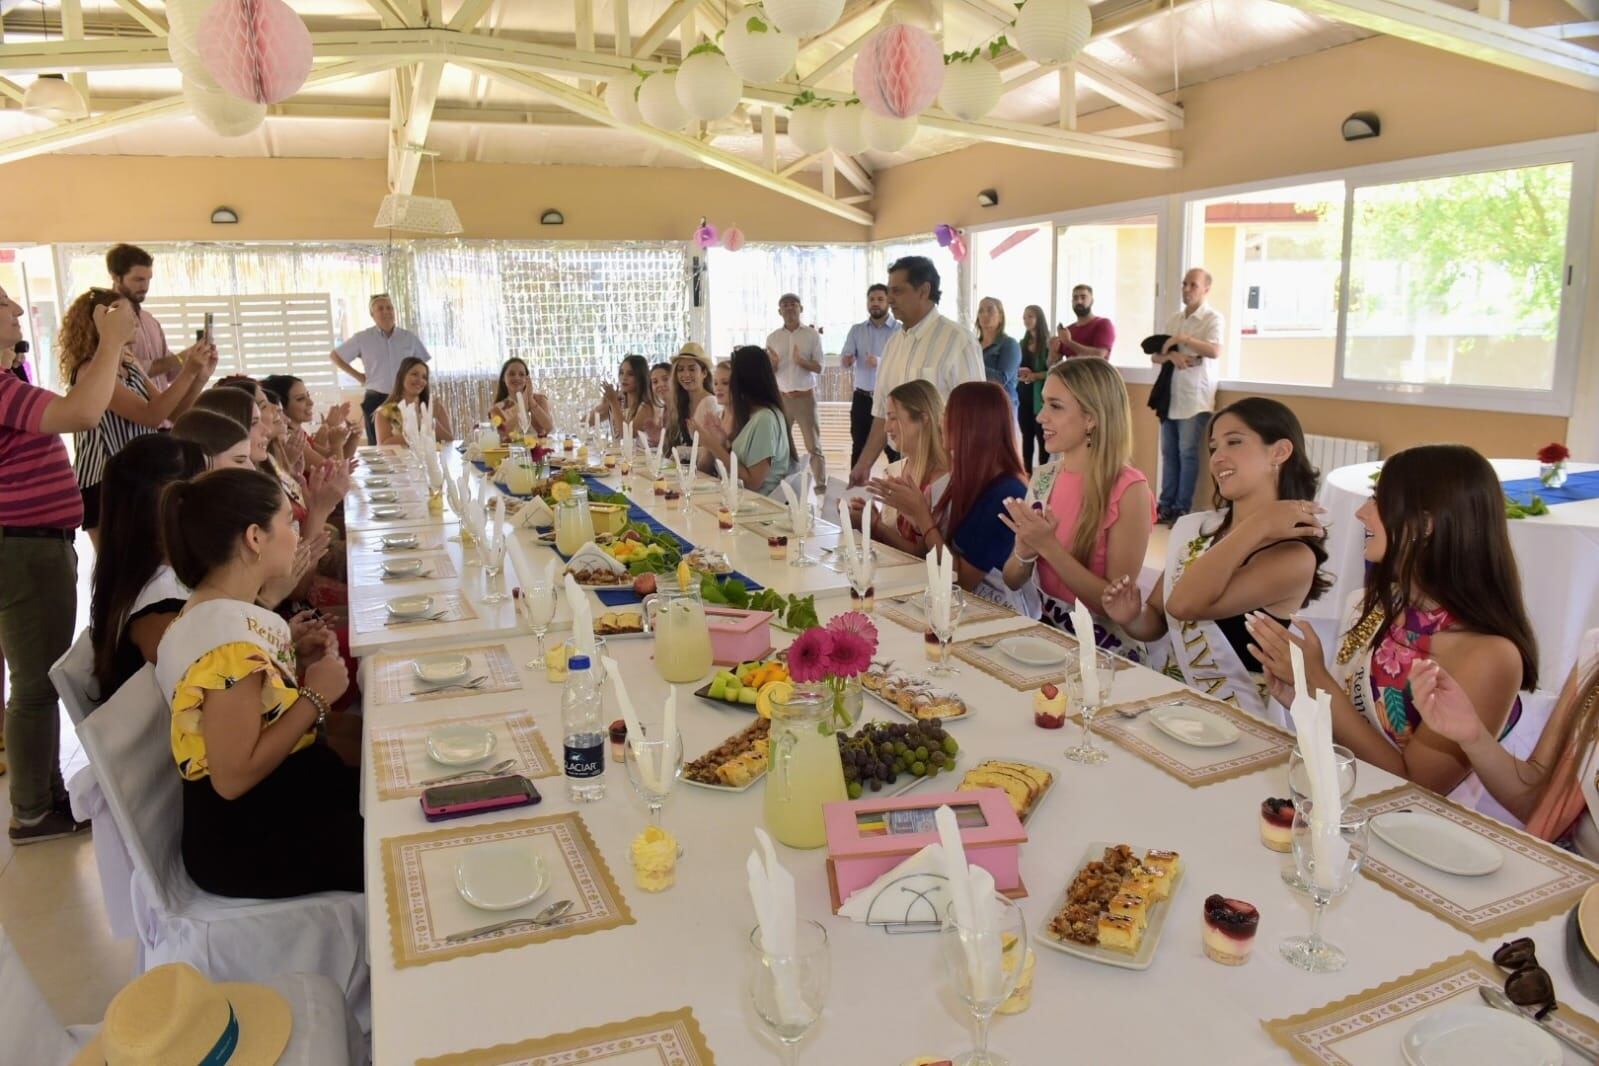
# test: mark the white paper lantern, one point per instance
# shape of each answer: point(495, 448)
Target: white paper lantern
point(707, 86)
point(804, 18)
point(1052, 31)
point(884, 134)
point(183, 31)
point(621, 98)
point(807, 128)
point(222, 114)
point(971, 88)
point(657, 102)
point(758, 56)
point(844, 130)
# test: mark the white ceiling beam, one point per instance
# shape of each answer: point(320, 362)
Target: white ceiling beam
point(664, 27)
point(802, 163)
point(1588, 9)
point(389, 14)
point(72, 30)
point(85, 130)
point(567, 96)
point(329, 109)
point(1067, 92)
point(471, 12)
point(622, 33)
point(1465, 33)
point(583, 15)
point(853, 172)
point(12, 90)
point(1568, 31)
point(1118, 89)
point(769, 137)
point(405, 158)
point(842, 56)
point(829, 176)
point(144, 17)
point(1137, 129)
point(1494, 9)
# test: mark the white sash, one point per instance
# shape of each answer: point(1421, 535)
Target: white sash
point(214, 623)
point(1199, 649)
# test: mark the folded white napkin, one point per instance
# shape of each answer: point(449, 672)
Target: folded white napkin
point(772, 893)
point(1312, 716)
point(577, 602)
point(535, 514)
point(592, 557)
point(971, 893)
point(1087, 653)
point(927, 866)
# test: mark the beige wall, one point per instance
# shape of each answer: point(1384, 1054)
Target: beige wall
point(99, 198)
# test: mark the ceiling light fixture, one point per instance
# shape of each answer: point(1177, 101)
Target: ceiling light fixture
point(419, 214)
point(50, 96)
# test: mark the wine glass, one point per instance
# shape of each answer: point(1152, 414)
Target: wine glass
point(944, 633)
point(539, 601)
point(862, 571)
point(1088, 752)
point(974, 958)
point(458, 508)
point(653, 767)
point(1328, 862)
point(799, 556)
point(789, 991)
point(491, 549)
point(1299, 792)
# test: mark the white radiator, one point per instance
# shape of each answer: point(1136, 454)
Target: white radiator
point(1329, 453)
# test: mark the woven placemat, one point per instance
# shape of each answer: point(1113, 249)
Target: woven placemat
point(1260, 744)
point(671, 1038)
point(392, 678)
point(402, 765)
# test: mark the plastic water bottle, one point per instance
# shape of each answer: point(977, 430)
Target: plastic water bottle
point(583, 732)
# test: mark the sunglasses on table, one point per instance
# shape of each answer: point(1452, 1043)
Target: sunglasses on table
point(1528, 984)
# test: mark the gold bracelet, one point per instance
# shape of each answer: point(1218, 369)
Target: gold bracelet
point(319, 703)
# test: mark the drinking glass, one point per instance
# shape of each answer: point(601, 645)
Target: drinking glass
point(539, 602)
point(458, 508)
point(799, 556)
point(491, 549)
point(862, 571)
point(653, 767)
point(1105, 670)
point(974, 958)
point(957, 604)
point(1299, 791)
point(789, 991)
point(1324, 879)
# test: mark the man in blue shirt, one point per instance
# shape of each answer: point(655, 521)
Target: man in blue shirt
point(862, 350)
point(380, 349)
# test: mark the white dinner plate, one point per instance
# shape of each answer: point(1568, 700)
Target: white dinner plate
point(400, 541)
point(384, 496)
point(1032, 651)
point(501, 876)
point(377, 482)
point(402, 567)
point(1193, 726)
point(388, 512)
point(441, 669)
point(460, 744)
point(410, 606)
point(1438, 842)
point(1470, 1034)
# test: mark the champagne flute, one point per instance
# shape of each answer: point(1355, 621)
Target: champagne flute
point(491, 549)
point(1088, 752)
point(945, 632)
point(539, 600)
point(1328, 860)
point(799, 556)
point(789, 991)
point(1299, 792)
point(653, 767)
point(862, 571)
point(975, 959)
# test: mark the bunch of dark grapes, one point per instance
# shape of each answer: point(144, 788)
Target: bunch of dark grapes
point(877, 753)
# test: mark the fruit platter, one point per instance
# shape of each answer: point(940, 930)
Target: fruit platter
point(743, 686)
point(879, 755)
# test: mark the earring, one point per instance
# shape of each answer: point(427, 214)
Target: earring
point(1088, 441)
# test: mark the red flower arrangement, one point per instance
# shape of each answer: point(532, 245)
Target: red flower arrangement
point(1554, 452)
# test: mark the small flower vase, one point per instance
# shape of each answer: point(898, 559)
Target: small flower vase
point(1552, 475)
point(848, 700)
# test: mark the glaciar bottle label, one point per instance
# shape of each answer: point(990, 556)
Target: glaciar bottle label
point(585, 761)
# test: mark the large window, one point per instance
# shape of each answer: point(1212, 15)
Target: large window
point(1118, 259)
point(1012, 265)
point(1458, 280)
point(829, 279)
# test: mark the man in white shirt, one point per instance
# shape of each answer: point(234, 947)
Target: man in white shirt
point(380, 348)
point(796, 354)
point(1194, 344)
point(862, 351)
point(927, 346)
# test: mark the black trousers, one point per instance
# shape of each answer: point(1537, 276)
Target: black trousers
point(1028, 420)
point(369, 405)
point(860, 424)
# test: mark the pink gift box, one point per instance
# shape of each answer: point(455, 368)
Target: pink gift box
point(738, 636)
point(870, 836)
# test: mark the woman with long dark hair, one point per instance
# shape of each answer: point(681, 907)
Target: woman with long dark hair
point(515, 380)
point(1442, 585)
point(1030, 391)
point(135, 594)
point(224, 441)
point(691, 394)
point(761, 436)
point(336, 438)
point(985, 470)
point(1260, 549)
point(630, 404)
point(410, 390)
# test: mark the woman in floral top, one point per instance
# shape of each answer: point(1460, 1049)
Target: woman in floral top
point(1442, 587)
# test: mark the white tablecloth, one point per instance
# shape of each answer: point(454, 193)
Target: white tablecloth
point(889, 999)
point(1557, 553)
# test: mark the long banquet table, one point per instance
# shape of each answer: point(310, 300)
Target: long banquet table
point(889, 1001)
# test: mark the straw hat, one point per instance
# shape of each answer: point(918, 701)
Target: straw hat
point(692, 350)
point(174, 1016)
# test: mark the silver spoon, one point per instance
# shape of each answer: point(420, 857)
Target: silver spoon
point(1495, 997)
point(476, 682)
point(548, 916)
point(493, 771)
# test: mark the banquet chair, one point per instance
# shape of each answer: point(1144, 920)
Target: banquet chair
point(128, 741)
point(29, 1031)
point(73, 677)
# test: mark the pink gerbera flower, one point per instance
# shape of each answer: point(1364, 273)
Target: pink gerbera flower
point(809, 657)
point(855, 622)
point(851, 655)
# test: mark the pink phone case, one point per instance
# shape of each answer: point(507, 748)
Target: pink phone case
point(494, 803)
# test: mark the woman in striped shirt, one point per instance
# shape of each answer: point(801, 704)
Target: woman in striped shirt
point(138, 405)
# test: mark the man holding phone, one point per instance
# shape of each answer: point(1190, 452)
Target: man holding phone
point(131, 268)
point(380, 349)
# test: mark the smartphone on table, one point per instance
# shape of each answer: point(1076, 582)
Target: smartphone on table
point(462, 798)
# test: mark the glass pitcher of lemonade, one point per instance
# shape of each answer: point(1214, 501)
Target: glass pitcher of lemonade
point(803, 767)
point(574, 526)
point(682, 639)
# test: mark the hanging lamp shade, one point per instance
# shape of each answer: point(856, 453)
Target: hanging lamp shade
point(621, 97)
point(807, 128)
point(418, 214)
point(183, 38)
point(844, 131)
point(222, 113)
point(888, 134)
point(757, 49)
point(658, 103)
point(899, 71)
point(52, 97)
point(255, 49)
point(1052, 31)
point(708, 87)
point(972, 89)
point(804, 18)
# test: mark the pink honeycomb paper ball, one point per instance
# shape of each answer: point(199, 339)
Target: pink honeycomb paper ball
point(255, 49)
point(899, 71)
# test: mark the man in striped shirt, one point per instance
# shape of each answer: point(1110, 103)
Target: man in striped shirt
point(40, 508)
point(927, 346)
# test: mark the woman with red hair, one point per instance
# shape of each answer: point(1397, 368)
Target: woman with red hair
point(985, 469)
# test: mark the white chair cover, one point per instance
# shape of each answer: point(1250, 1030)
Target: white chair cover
point(73, 677)
point(29, 1032)
point(227, 939)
